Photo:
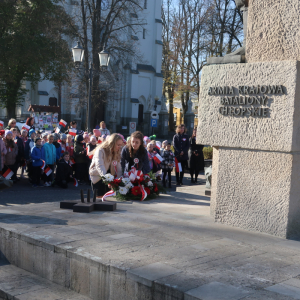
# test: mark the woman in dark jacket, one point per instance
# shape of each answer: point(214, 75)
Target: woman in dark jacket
point(134, 154)
point(181, 145)
point(196, 159)
point(80, 159)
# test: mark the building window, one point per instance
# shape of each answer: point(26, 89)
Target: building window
point(145, 4)
point(144, 33)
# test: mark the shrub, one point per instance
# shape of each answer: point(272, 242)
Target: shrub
point(208, 152)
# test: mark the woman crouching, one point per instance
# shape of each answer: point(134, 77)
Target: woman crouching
point(105, 156)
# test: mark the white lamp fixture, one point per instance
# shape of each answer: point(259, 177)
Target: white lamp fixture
point(78, 53)
point(104, 58)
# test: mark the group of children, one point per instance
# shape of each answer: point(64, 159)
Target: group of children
point(43, 154)
point(166, 160)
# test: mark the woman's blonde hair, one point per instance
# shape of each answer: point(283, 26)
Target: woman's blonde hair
point(109, 146)
point(12, 121)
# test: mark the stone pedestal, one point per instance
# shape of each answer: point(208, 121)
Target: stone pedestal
point(163, 123)
point(251, 114)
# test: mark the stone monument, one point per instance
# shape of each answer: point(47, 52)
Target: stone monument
point(250, 113)
point(189, 117)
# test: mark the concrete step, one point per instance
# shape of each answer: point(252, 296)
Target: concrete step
point(18, 284)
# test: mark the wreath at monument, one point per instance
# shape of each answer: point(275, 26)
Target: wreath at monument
point(134, 185)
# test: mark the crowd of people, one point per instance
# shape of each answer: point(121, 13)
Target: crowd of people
point(82, 158)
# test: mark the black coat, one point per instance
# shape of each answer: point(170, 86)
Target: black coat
point(181, 143)
point(195, 163)
point(143, 164)
point(63, 172)
point(20, 145)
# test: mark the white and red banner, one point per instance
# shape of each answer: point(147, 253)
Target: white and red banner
point(71, 161)
point(73, 131)
point(134, 174)
point(178, 166)
point(1, 123)
point(157, 146)
point(8, 173)
point(43, 165)
point(75, 182)
point(144, 193)
point(48, 171)
point(158, 159)
point(57, 130)
point(62, 123)
point(26, 127)
point(108, 194)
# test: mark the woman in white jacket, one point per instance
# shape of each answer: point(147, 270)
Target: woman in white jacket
point(106, 159)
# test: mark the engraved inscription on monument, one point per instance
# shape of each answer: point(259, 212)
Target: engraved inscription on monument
point(248, 101)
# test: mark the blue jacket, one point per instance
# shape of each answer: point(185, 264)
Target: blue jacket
point(37, 156)
point(58, 151)
point(50, 154)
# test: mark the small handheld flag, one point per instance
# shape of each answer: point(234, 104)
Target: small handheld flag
point(75, 182)
point(43, 165)
point(26, 127)
point(1, 123)
point(158, 159)
point(8, 173)
point(72, 132)
point(57, 130)
point(178, 166)
point(48, 171)
point(62, 123)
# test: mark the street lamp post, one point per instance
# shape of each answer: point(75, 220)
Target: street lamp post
point(155, 106)
point(104, 57)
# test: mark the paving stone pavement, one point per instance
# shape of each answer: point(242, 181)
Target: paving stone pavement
point(171, 241)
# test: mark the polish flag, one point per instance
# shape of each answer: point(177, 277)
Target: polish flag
point(178, 166)
point(26, 127)
point(158, 159)
point(62, 123)
point(108, 194)
point(72, 161)
point(75, 182)
point(2, 123)
point(72, 132)
point(99, 142)
point(8, 173)
point(43, 165)
point(48, 171)
point(57, 130)
point(157, 146)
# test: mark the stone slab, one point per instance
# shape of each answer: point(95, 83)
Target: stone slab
point(105, 206)
point(279, 131)
point(216, 291)
point(68, 204)
point(285, 289)
point(83, 207)
point(147, 274)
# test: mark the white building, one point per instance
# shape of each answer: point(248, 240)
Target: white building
point(143, 80)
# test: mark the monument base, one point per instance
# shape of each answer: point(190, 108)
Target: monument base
point(257, 190)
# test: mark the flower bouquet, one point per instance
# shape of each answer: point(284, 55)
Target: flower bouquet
point(133, 186)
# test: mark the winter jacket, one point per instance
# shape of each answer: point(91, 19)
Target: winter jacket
point(104, 131)
point(28, 147)
point(20, 145)
point(37, 156)
point(63, 172)
point(80, 157)
point(143, 163)
point(3, 152)
point(50, 154)
point(11, 155)
point(181, 143)
point(101, 164)
point(168, 160)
